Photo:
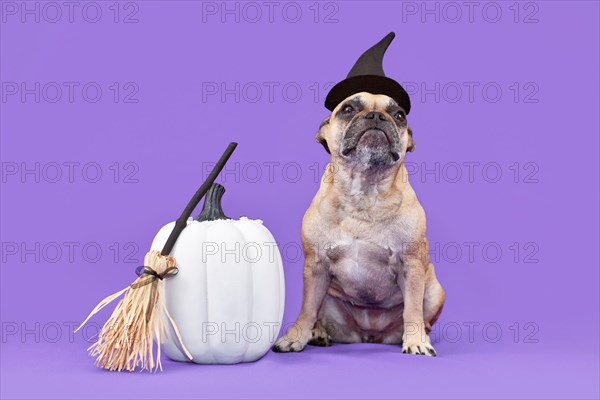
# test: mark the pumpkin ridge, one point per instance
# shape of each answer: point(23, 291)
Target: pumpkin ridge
point(251, 283)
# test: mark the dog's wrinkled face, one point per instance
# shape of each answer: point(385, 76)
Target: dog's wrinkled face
point(368, 130)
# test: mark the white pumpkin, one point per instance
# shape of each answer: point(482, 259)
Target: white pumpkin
point(227, 298)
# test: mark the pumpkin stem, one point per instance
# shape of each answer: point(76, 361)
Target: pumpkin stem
point(212, 204)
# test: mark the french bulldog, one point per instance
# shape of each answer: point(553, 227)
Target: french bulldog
point(367, 274)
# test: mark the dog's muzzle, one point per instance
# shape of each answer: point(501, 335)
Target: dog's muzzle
point(373, 132)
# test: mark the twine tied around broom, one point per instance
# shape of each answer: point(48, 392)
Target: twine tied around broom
point(149, 276)
point(127, 339)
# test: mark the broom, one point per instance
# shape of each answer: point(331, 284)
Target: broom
point(127, 339)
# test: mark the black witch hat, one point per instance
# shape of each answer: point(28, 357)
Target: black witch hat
point(367, 76)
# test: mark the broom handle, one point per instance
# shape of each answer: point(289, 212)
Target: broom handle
point(181, 222)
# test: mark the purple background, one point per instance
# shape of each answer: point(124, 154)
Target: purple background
point(549, 289)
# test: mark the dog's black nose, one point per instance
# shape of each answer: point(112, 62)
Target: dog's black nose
point(374, 114)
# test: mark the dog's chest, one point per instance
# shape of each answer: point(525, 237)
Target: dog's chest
point(363, 274)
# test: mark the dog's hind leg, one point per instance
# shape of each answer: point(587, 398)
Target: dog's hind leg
point(319, 336)
point(337, 323)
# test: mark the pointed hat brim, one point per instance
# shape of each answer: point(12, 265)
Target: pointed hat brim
point(374, 84)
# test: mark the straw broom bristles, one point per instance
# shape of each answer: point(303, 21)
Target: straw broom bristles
point(127, 339)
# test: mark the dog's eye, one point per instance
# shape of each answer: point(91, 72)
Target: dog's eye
point(399, 116)
point(348, 108)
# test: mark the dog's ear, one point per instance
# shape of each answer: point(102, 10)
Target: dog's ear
point(320, 137)
point(411, 142)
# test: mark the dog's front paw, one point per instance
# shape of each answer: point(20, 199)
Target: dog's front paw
point(294, 340)
point(283, 345)
point(416, 345)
